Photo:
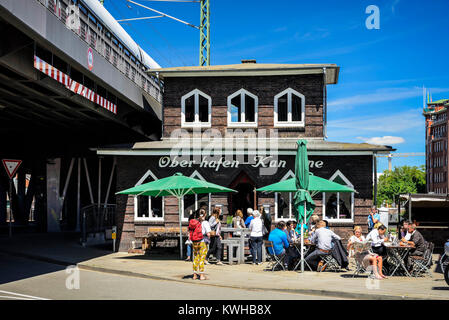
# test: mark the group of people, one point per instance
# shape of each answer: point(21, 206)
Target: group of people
point(205, 235)
point(205, 239)
point(286, 234)
point(407, 236)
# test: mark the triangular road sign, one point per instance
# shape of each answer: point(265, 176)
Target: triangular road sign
point(11, 166)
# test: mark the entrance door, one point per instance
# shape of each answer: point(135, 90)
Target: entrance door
point(244, 198)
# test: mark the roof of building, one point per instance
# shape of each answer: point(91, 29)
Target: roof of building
point(441, 101)
point(250, 69)
point(284, 146)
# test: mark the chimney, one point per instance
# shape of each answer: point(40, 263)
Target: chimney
point(249, 61)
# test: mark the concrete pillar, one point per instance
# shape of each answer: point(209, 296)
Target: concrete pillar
point(53, 198)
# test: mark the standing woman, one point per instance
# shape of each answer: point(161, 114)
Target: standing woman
point(266, 219)
point(199, 234)
point(255, 227)
point(215, 238)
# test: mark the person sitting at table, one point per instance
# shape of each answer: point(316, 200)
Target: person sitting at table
point(279, 239)
point(312, 223)
point(238, 222)
point(250, 217)
point(322, 238)
point(377, 238)
point(417, 242)
point(365, 258)
point(356, 237)
point(405, 235)
point(292, 234)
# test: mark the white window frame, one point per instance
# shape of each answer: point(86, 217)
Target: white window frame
point(196, 123)
point(136, 203)
point(288, 175)
point(242, 124)
point(289, 123)
point(197, 175)
point(349, 184)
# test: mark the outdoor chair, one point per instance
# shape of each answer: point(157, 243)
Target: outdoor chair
point(276, 260)
point(421, 264)
point(360, 248)
point(329, 263)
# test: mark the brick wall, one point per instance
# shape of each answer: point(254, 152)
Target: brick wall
point(265, 88)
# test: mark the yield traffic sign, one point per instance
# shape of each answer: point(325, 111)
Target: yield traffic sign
point(11, 166)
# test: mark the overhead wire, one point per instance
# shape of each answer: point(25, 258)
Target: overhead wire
point(176, 51)
point(143, 36)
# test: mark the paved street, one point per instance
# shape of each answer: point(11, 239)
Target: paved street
point(26, 279)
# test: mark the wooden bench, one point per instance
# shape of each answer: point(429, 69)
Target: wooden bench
point(155, 234)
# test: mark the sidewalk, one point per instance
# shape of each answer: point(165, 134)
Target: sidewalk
point(65, 250)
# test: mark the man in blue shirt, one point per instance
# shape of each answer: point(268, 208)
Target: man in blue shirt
point(279, 239)
point(373, 218)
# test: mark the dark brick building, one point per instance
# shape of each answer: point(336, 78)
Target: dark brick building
point(436, 115)
point(237, 126)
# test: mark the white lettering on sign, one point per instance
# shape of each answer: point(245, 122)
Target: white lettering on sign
point(217, 164)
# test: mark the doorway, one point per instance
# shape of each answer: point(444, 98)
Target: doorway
point(244, 198)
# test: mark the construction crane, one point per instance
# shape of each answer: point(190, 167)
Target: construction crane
point(204, 26)
point(397, 155)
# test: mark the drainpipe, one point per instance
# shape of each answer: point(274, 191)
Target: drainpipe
point(324, 105)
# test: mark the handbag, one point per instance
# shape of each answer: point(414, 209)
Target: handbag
point(264, 230)
point(213, 233)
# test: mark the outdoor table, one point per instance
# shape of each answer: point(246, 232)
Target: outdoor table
point(307, 246)
point(396, 255)
point(242, 238)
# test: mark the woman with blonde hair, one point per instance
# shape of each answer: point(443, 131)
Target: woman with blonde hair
point(365, 258)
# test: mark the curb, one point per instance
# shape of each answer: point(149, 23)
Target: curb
point(315, 292)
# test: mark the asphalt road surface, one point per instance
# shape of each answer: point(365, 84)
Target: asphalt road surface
point(26, 279)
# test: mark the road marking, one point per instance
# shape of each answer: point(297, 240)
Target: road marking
point(24, 296)
point(18, 298)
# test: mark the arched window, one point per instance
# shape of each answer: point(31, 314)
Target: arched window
point(289, 109)
point(242, 109)
point(148, 208)
point(339, 206)
point(196, 109)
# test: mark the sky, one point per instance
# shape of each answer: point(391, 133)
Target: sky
point(379, 96)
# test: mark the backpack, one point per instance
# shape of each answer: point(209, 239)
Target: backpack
point(196, 230)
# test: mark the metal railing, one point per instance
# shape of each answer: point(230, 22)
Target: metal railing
point(97, 218)
point(99, 38)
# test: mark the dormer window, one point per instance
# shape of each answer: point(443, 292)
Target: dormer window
point(242, 109)
point(196, 110)
point(289, 109)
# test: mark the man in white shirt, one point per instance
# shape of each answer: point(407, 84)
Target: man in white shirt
point(256, 228)
point(323, 238)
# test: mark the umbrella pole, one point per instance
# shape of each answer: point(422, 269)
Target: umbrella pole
point(302, 238)
point(180, 225)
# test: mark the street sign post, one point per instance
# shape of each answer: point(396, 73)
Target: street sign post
point(11, 167)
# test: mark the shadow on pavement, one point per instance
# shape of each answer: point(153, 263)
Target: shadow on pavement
point(41, 253)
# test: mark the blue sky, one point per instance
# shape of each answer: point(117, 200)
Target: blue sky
point(379, 94)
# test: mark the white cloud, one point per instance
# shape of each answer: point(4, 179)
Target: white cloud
point(385, 140)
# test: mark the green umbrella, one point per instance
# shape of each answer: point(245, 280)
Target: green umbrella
point(303, 201)
point(316, 185)
point(177, 186)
